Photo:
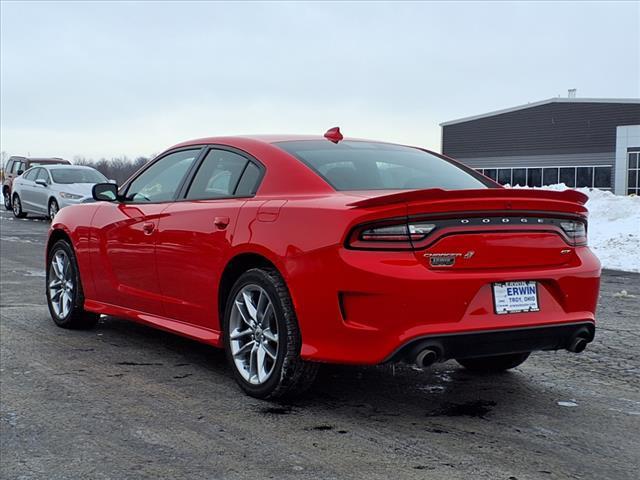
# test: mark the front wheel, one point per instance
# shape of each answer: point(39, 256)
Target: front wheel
point(262, 338)
point(17, 207)
point(65, 297)
point(53, 208)
point(496, 363)
point(7, 200)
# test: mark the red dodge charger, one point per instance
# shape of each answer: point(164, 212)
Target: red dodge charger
point(289, 251)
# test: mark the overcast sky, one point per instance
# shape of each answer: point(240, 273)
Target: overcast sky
point(114, 78)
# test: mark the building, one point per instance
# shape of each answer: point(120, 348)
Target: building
point(581, 142)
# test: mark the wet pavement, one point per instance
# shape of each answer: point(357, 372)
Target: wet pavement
point(126, 401)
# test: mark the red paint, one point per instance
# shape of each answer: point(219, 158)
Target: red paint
point(161, 264)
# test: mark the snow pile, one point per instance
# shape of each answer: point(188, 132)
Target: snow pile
point(614, 227)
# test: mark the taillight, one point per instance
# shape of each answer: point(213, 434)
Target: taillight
point(575, 230)
point(394, 236)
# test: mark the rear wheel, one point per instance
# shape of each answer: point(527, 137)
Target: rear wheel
point(497, 363)
point(17, 207)
point(53, 208)
point(7, 199)
point(65, 297)
point(262, 338)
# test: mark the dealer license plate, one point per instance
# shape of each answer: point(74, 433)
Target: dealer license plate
point(515, 297)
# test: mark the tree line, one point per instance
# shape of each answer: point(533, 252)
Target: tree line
point(118, 169)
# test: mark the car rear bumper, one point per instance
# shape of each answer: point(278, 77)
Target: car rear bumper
point(363, 307)
point(498, 342)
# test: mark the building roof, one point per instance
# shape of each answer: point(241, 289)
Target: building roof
point(542, 102)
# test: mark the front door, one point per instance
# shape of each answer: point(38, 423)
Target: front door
point(195, 236)
point(125, 269)
point(41, 192)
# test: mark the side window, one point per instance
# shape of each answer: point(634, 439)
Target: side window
point(160, 182)
point(249, 182)
point(217, 176)
point(17, 166)
point(9, 167)
point(31, 174)
point(42, 175)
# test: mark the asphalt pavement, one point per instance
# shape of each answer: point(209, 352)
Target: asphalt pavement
point(125, 401)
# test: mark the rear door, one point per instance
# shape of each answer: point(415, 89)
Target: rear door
point(26, 189)
point(195, 235)
point(127, 274)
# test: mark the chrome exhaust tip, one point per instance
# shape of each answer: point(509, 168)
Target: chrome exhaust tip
point(577, 344)
point(425, 358)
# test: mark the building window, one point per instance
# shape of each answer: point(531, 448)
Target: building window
point(584, 177)
point(519, 176)
point(550, 176)
point(534, 177)
point(568, 176)
point(633, 180)
point(574, 177)
point(504, 176)
point(492, 173)
point(602, 177)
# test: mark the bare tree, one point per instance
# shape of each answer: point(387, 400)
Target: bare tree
point(118, 168)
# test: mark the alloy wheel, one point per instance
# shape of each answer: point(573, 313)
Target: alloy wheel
point(53, 209)
point(61, 284)
point(7, 200)
point(17, 207)
point(253, 334)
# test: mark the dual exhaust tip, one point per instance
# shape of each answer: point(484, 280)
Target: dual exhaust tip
point(427, 356)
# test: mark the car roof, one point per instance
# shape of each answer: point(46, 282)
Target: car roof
point(232, 139)
point(44, 160)
point(240, 141)
point(264, 139)
point(62, 165)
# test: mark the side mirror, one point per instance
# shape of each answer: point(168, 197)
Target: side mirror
point(19, 172)
point(41, 182)
point(105, 192)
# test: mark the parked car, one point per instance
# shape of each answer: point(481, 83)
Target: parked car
point(292, 251)
point(16, 166)
point(48, 188)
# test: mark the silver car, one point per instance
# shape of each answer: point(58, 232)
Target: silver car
point(44, 190)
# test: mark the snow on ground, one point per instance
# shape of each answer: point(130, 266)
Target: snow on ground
point(614, 227)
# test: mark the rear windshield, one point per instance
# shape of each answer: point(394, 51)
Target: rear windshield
point(76, 175)
point(354, 165)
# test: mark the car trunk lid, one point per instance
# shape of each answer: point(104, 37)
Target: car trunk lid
point(494, 228)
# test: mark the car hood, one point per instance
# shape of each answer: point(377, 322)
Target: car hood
point(83, 189)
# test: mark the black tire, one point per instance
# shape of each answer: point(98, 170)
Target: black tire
point(7, 199)
point(76, 317)
point(16, 206)
point(497, 363)
point(52, 209)
point(291, 375)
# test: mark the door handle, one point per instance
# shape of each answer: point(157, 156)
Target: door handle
point(148, 228)
point(221, 222)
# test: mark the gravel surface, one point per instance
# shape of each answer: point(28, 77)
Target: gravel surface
point(126, 401)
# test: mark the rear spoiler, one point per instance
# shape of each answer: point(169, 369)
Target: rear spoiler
point(436, 194)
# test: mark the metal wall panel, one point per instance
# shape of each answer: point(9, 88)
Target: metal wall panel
point(553, 128)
